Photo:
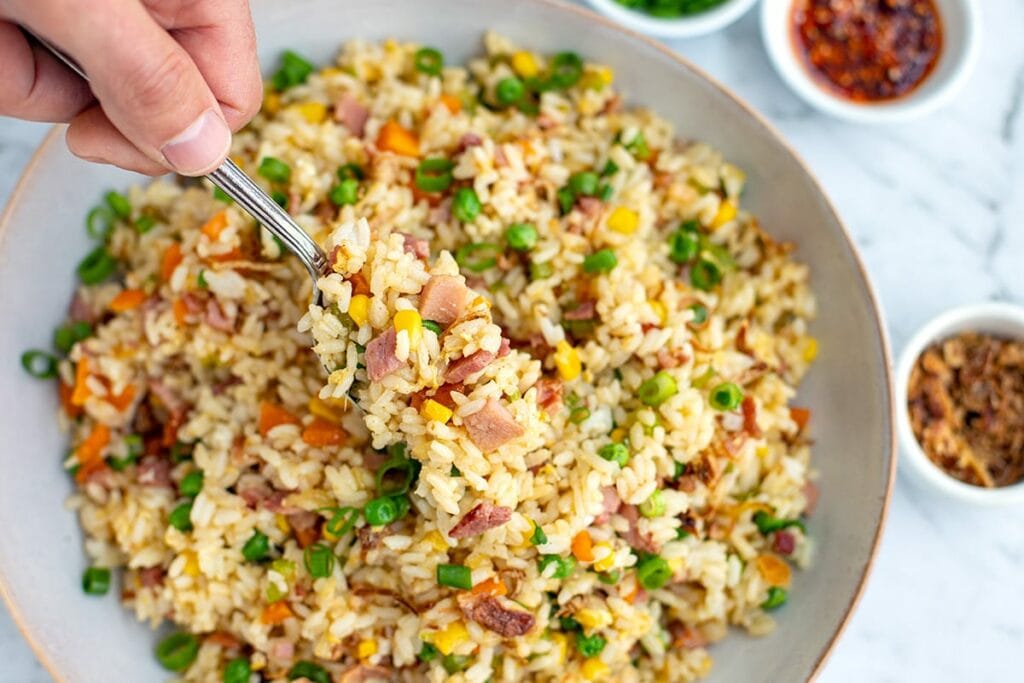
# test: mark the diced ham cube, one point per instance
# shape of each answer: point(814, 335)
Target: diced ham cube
point(419, 248)
point(469, 140)
point(611, 504)
point(489, 612)
point(586, 310)
point(549, 394)
point(380, 356)
point(492, 426)
point(481, 518)
point(351, 114)
point(442, 299)
point(505, 348)
point(634, 538)
point(150, 577)
point(461, 369)
point(154, 470)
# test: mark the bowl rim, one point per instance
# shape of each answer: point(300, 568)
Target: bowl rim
point(693, 26)
point(980, 317)
point(25, 180)
point(778, 44)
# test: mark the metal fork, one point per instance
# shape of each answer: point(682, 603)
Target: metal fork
point(236, 184)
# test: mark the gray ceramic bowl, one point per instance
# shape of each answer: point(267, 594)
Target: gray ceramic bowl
point(42, 237)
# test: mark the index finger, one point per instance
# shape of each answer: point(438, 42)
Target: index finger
point(219, 37)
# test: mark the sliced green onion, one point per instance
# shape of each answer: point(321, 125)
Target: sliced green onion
point(776, 598)
point(306, 669)
point(257, 547)
point(66, 336)
point(605, 192)
point(704, 275)
point(429, 61)
point(454, 576)
point(119, 204)
point(610, 168)
point(566, 199)
point(388, 484)
point(97, 266)
point(133, 446)
point(521, 236)
point(39, 364)
point(402, 504)
point(601, 261)
point(654, 506)
point(566, 69)
point(433, 326)
point(615, 452)
point(726, 396)
point(274, 170)
point(222, 196)
point(509, 90)
point(238, 671)
point(144, 224)
point(453, 664)
point(584, 183)
point(590, 646)
point(294, 71)
point(767, 523)
point(564, 566)
point(477, 256)
point(683, 246)
point(280, 198)
point(342, 521)
point(180, 517)
point(191, 484)
point(99, 222)
point(569, 624)
point(466, 205)
point(542, 270)
point(428, 653)
point(610, 578)
point(538, 537)
point(381, 511)
point(700, 315)
point(579, 415)
point(434, 174)
point(353, 171)
point(638, 147)
point(180, 452)
point(653, 572)
point(345, 193)
point(96, 581)
point(658, 389)
point(177, 651)
point(319, 560)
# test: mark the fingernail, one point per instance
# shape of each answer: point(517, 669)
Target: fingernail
point(198, 149)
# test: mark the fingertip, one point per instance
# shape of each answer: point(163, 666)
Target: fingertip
point(201, 147)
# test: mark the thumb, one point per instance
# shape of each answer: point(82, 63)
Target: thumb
point(148, 86)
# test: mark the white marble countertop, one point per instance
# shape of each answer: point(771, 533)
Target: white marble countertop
point(937, 208)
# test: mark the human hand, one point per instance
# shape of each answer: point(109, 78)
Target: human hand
point(168, 79)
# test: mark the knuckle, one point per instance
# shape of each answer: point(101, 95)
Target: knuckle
point(151, 85)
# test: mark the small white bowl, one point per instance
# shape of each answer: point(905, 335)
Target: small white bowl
point(683, 27)
point(961, 29)
point(1000, 319)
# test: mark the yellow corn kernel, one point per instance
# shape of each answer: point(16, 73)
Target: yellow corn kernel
point(619, 434)
point(525, 543)
point(608, 561)
point(366, 648)
point(726, 212)
point(271, 102)
point(191, 563)
point(561, 642)
point(607, 74)
point(810, 349)
point(762, 452)
point(326, 410)
point(448, 638)
point(359, 309)
point(675, 564)
point(432, 410)
point(436, 540)
point(258, 662)
point(330, 71)
point(313, 112)
point(525, 64)
point(593, 619)
point(282, 523)
point(659, 310)
point(624, 220)
point(594, 669)
point(567, 360)
point(412, 323)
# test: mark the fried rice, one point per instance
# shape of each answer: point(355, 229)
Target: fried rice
point(537, 427)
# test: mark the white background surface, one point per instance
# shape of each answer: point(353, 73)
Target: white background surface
point(937, 208)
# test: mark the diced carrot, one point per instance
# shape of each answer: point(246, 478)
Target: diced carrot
point(631, 593)
point(394, 138)
point(451, 103)
point(90, 452)
point(272, 415)
point(215, 226)
point(230, 255)
point(64, 392)
point(81, 390)
point(491, 586)
point(224, 639)
point(127, 300)
point(124, 399)
point(275, 613)
point(180, 310)
point(583, 546)
point(307, 536)
point(172, 258)
point(801, 416)
point(775, 571)
point(320, 433)
point(171, 427)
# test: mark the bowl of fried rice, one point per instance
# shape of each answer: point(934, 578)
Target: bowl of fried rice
point(597, 389)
